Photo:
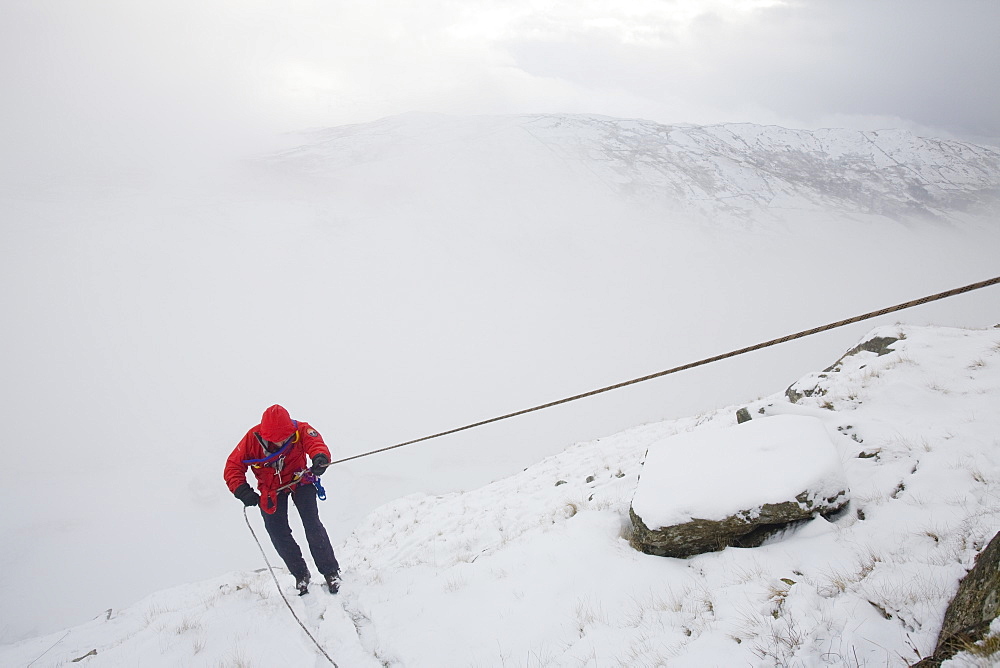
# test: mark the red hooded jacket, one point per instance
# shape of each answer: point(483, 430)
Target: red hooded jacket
point(280, 471)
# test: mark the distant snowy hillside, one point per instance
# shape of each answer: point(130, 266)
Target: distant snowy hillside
point(733, 172)
point(536, 569)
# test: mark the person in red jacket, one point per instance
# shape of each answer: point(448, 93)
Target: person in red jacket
point(275, 450)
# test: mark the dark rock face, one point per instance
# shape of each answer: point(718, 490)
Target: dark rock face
point(878, 345)
point(975, 606)
point(746, 528)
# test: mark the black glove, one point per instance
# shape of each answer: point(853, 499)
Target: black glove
point(320, 462)
point(246, 494)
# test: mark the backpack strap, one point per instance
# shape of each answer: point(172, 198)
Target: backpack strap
point(289, 442)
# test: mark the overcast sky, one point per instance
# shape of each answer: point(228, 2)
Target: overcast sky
point(102, 77)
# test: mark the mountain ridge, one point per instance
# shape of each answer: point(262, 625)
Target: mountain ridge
point(733, 172)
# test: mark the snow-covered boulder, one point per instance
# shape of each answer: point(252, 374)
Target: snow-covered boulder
point(702, 491)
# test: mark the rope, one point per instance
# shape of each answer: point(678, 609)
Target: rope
point(691, 365)
point(50, 647)
point(283, 597)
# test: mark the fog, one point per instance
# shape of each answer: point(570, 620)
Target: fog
point(159, 292)
point(148, 328)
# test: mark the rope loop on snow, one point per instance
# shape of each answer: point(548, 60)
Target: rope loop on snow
point(691, 365)
point(278, 585)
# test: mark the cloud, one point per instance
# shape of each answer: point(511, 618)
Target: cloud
point(925, 63)
point(112, 82)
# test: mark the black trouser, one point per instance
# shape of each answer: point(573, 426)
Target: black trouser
point(281, 534)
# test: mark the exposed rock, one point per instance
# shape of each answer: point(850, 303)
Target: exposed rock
point(794, 395)
point(704, 491)
point(878, 345)
point(747, 528)
point(972, 610)
point(742, 415)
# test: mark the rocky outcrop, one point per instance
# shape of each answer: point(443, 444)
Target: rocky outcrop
point(975, 606)
point(812, 386)
point(878, 345)
point(747, 528)
point(704, 491)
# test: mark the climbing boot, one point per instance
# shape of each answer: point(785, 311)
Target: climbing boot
point(302, 584)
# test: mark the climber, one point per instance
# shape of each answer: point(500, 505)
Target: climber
point(275, 450)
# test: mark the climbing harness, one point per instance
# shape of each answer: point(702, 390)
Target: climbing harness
point(305, 477)
point(278, 585)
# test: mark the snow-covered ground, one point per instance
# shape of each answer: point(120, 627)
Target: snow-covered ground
point(535, 569)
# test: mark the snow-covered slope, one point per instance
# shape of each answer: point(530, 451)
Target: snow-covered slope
point(536, 570)
point(740, 172)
